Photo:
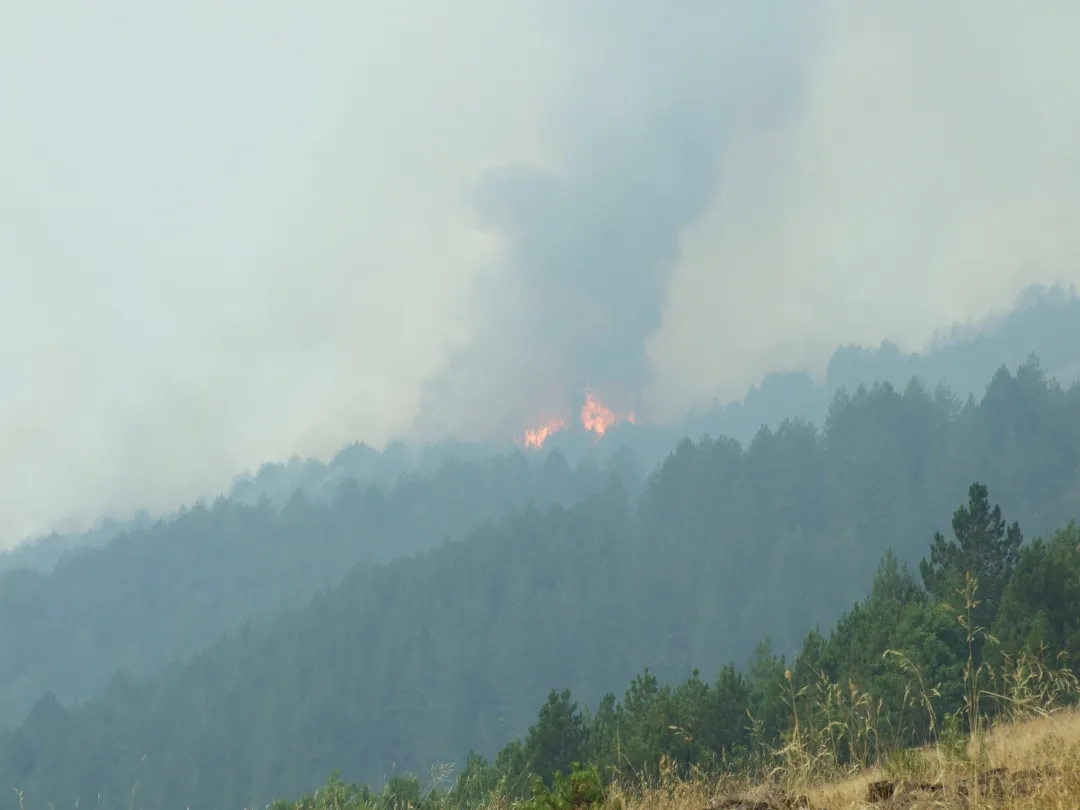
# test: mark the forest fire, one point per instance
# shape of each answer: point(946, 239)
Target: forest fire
point(536, 437)
point(596, 418)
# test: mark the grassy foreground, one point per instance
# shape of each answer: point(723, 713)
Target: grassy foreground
point(1018, 766)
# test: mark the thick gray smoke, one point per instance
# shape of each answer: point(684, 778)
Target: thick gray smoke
point(591, 241)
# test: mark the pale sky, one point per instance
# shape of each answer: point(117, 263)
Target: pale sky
point(231, 232)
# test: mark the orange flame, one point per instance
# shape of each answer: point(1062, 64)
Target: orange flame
point(537, 436)
point(596, 416)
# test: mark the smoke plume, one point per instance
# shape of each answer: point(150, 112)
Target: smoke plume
point(230, 236)
point(592, 237)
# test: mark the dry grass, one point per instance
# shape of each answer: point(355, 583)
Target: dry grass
point(1038, 760)
point(1019, 766)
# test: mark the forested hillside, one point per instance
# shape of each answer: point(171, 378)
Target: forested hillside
point(904, 687)
point(1045, 320)
point(416, 661)
point(43, 553)
point(158, 594)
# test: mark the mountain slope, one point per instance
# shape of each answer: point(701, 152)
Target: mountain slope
point(158, 594)
point(418, 660)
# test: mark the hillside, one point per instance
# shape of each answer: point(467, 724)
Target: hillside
point(415, 661)
point(922, 695)
point(160, 593)
point(1045, 321)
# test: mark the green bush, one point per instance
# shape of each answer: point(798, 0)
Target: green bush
point(583, 789)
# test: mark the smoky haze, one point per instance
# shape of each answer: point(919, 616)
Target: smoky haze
point(591, 238)
point(230, 235)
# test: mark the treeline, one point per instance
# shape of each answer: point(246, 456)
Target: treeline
point(411, 662)
point(988, 630)
point(1045, 319)
point(160, 593)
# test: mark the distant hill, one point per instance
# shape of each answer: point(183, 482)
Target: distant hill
point(1044, 322)
point(43, 553)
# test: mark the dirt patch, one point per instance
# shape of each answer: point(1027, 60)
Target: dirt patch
point(775, 799)
point(988, 787)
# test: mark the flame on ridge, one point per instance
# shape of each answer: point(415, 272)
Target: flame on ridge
point(595, 416)
point(535, 437)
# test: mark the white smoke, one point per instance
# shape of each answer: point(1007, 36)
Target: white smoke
point(227, 237)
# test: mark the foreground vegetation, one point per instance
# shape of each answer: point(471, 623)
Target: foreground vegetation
point(1024, 764)
point(911, 699)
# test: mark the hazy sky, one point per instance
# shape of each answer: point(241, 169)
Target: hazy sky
point(231, 232)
